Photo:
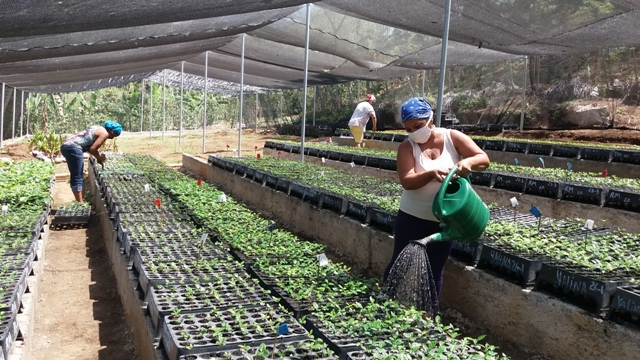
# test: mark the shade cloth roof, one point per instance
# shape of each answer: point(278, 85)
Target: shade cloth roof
point(192, 82)
point(87, 44)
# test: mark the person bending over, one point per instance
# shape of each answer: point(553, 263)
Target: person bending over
point(88, 140)
point(361, 115)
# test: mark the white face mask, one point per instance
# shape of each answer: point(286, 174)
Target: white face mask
point(421, 135)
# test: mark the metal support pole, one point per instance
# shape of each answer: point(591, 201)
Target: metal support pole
point(21, 111)
point(443, 58)
point(241, 99)
point(524, 93)
point(315, 97)
point(423, 80)
point(358, 99)
point(141, 104)
point(28, 97)
point(281, 96)
point(304, 97)
point(13, 126)
point(164, 101)
point(236, 107)
point(2, 117)
point(204, 99)
point(150, 108)
point(181, 97)
point(257, 110)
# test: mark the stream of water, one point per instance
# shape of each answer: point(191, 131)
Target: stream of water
point(410, 280)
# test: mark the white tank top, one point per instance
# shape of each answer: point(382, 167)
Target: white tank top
point(419, 202)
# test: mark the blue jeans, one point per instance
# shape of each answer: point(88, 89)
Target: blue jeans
point(75, 161)
point(409, 227)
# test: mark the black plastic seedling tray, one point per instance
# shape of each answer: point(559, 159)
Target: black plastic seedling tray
point(511, 264)
point(192, 333)
point(583, 287)
point(79, 216)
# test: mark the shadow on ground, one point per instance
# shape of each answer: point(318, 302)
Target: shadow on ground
point(114, 334)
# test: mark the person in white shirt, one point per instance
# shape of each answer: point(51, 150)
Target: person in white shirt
point(361, 115)
point(424, 160)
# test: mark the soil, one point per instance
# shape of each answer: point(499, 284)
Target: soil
point(16, 151)
point(218, 141)
point(79, 313)
point(610, 136)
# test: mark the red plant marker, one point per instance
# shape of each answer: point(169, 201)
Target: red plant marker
point(604, 173)
point(157, 202)
point(258, 155)
point(255, 147)
point(199, 182)
point(279, 153)
point(228, 146)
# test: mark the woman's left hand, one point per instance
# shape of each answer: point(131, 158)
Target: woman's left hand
point(464, 167)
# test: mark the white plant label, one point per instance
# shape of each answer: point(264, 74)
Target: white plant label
point(5, 209)
point(589, 224)
point(514, 202)
point(324, 160)
point(322, 259)
point(146, 187)
point(203, 239)
point(222, 198)
point(352, 164)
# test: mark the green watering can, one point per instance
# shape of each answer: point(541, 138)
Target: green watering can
point(463, 214)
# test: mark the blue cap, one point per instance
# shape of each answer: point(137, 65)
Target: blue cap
point(113, 126)
point(416, 108)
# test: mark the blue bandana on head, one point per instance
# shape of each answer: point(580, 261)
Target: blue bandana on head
point(416, 108)
point(113, 126)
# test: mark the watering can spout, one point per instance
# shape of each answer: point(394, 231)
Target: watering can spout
point(429, 239)
point(447, 234)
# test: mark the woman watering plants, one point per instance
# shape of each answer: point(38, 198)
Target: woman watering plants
point(89, 140)
point(424, 160)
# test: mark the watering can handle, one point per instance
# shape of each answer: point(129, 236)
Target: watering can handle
point(445, 184)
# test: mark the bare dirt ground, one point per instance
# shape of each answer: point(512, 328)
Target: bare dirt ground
point(610, 136)
point(220, 142)
point(79, 312)
point(16, 151)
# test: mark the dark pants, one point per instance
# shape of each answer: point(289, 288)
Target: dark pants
point(409, 228)
point(75, 161)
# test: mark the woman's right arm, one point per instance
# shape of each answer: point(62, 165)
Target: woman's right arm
point(101, 135)
point(409, 179)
